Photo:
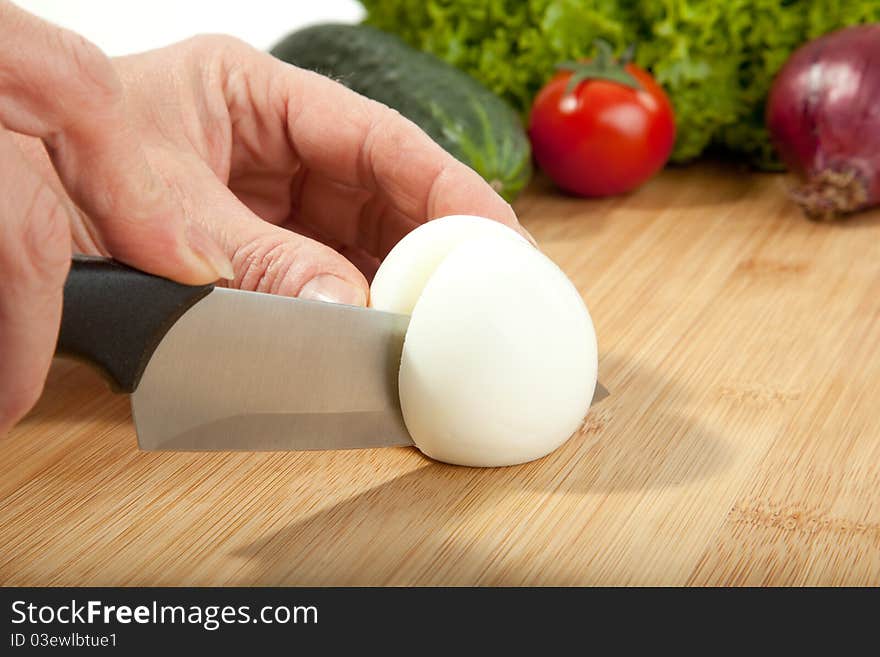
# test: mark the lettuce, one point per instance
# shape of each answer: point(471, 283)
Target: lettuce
point(715, 58)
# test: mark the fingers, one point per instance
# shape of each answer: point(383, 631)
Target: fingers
point(267, 258)
point(278, 261)
point(366, 262)
point(57, 86)
point(349, 143)
point(34, 259)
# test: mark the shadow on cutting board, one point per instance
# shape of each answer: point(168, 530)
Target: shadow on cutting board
point(388, 533)
point(76, 391)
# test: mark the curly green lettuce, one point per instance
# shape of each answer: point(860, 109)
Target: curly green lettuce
point(715, 58)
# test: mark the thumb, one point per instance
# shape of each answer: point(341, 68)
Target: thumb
point(143, 220)
point(34, 259)
point(62, 89)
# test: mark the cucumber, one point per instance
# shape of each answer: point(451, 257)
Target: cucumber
point(457, 111)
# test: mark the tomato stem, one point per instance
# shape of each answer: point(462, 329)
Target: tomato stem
point(605, 66)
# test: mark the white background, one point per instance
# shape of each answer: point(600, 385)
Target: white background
point(121, 27)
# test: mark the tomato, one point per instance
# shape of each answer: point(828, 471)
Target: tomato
point(604, 137)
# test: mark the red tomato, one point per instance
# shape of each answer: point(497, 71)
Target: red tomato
point(605, 137)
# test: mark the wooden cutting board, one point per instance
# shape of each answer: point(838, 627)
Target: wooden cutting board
point(740, 444)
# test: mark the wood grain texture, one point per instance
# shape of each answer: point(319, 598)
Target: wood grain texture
point(740, 445)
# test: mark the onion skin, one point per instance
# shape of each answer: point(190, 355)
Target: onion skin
point(823, 114)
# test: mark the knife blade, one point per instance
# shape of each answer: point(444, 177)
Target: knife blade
point(273, 373)
point(213, 368)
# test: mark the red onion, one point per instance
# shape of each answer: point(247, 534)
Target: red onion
point(824, 117)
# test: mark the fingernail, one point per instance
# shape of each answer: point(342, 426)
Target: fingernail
point(204, 246)
point(529, 237)
point(327, 287)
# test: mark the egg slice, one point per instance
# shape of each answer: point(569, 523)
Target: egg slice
point(500, 360)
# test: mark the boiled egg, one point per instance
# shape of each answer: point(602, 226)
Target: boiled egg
point(500, 360)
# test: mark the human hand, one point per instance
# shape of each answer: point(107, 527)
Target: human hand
point(61, 90)
point(235, 146)
point(289, 170)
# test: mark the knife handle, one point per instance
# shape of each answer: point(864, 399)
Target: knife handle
point(114, 316)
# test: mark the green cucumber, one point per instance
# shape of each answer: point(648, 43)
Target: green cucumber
point(454, 109)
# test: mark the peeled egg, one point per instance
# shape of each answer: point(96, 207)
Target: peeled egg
point(500, 361)
point(405, 271)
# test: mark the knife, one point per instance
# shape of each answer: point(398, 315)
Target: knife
point(213, 368)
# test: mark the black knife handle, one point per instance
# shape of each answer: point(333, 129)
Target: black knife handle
point(114, 316)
